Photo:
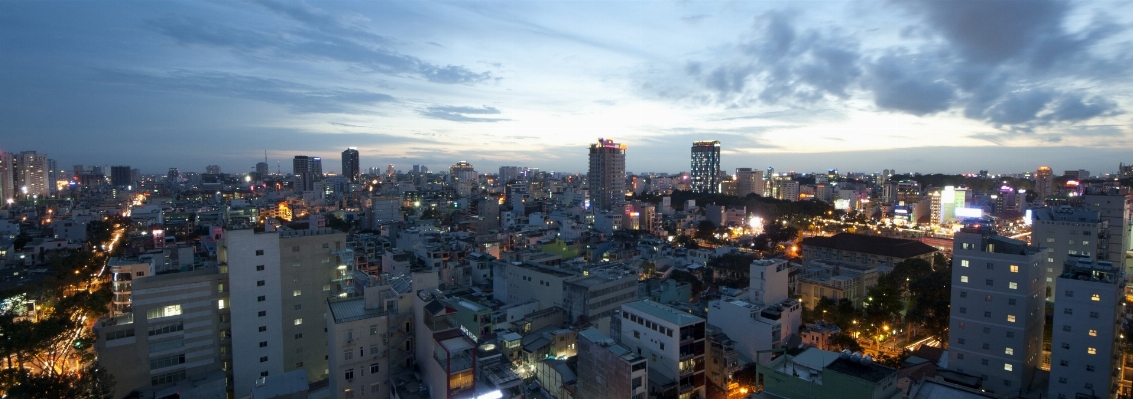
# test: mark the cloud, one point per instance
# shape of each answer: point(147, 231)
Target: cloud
point(296, 96)
point(319, 38)
point(899, 83)
point(694, 19)
point(460, 114)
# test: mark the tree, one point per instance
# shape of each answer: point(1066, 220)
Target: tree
point(338, 224)
point(931, 301)
point(648, 268)
point(843, 340)
point(695, 284)
point(706, 230)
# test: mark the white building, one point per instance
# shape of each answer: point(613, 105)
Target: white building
point(997, 313)
point(1087, 312)
point(671, 340)
point(362, 334)
point(1064, 232)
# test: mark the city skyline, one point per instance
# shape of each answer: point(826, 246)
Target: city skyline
point(864, 86)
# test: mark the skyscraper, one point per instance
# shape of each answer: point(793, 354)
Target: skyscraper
point(119, 176)
point(997, 316)
point(749, 181)
point(350, 168)
point(1044, 183)
point(316, 169)
point(607, 174)
point(301, 170)
point(1087, 321)
point(31, 174)
point(173, 176)
point(212, 169)
point(7, 178)
point(262, 170)
point(706, 167)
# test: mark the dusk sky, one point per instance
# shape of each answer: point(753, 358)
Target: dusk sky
point(929, 86)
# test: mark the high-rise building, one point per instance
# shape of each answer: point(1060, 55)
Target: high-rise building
point(280, 282)
point(672, 339)
point(749, 181)
point(7, 178)
point(706, 167)
point(316, 169)
point(367, 336)
point(301, 172)
point(31, 174)
point(1085, 347)
point(509, 174)
point(212, 169)
point(607, 370)
point(120, 176)
point(1065, 232)
point(606, 177)
point(1044, 183)
point(1117, 211)
point(174, 175)
point(53, 177)
point(350, 166)
point(262, 170)
point(997, 312)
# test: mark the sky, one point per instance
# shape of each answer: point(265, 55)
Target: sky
point(918, 86)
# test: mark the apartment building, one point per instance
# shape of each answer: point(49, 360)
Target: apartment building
point(1065, 232)
point(1086, 350)
point(672, 341)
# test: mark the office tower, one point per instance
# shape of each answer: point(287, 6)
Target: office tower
point(749, 181)
point(1063, 233)
point(262, 170)
point(672, 340)
point(301, 172)
point(607, 370)
point(997, 315)
point(174, 337)
point(173, 175)
point(1116, 210)
point(509, 174)
point(787, 190)
point(316, 169)
point(1085, 344)
point(120, 176)
point(280, 284)
point(31, 174)
point(7, 178)
point(606, 177)
point(706, 167)
point(1124, 170)
point(462, 172)
point(1044, 183)
point(1079, 175)
point(350, 165)
point(212, 169)
point(389, 170)
point(53, 177)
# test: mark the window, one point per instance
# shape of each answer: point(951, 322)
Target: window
point(326, 245)
point(1011, 301)
point(263, 344)
point(1049, 260)
point(374, 368)
point(1068, 311)
point(326, 288)
point(1065, 345)
point(347, 354)
point(987, 298)
point(963, 310)
point(964, 263)
point(960, 341)
point(987, 314)
point(1011, 318)
point(298, 321)
point(1089, 367)
point(299, 336)
point(374, 329)
point(165, 311)
point(989, 282)
point(167, 378)
point(1007, 367)
point(1063, 363)
point(960, 356)
point(263, 374)
point(987, 330)
point(986, 346)
point(990, 266)
point(262, 313)
point(295, 248)
point(1093, 315)
point(263, 328)
point(119, 334)
point(259, 252)
point(1092, 351)
point(963, 279)
point(298, 306)
point(1093, 333)
point(963, 325)
point(1066, 328)
point(1009, 351)
point(1013, 285)
point(140, 274)
point(1007, 382)
point(1050, 240)
point(297, 293)
point(260, 283)
point(259, 268)
point(165, 328)
point(1085, 243)
point(261, 298)
point(983, 362)
point(263, 359)
point(1014, 268)
point(1095, 297)
point(963, 294)
point(1069, 293)
point(166, 361)
point(1061, 380)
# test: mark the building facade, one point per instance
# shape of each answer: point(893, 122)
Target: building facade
point(1066, 232)
point(1085, 349)
point(673, 341)
point(350, 166)
point(606, 176)
point(706, 167)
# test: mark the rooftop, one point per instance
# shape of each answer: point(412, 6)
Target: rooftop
point(870, 371)
point(876, 245)
point(663, 312)
point(351, 309)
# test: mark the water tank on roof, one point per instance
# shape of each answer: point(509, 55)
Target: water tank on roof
point(867, 360)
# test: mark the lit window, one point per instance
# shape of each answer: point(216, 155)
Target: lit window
point(297, 293)
point(963, 279)
point(1014, 268)
point(964, 263)
point(1092, 351)
point(1013, 285)
point(1093, 333)
point(298, 321)
point(1007, 366)
point(1095, 297)
point(1011, 318)
point(1009, 351)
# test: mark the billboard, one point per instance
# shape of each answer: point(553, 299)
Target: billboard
point(969, 213)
